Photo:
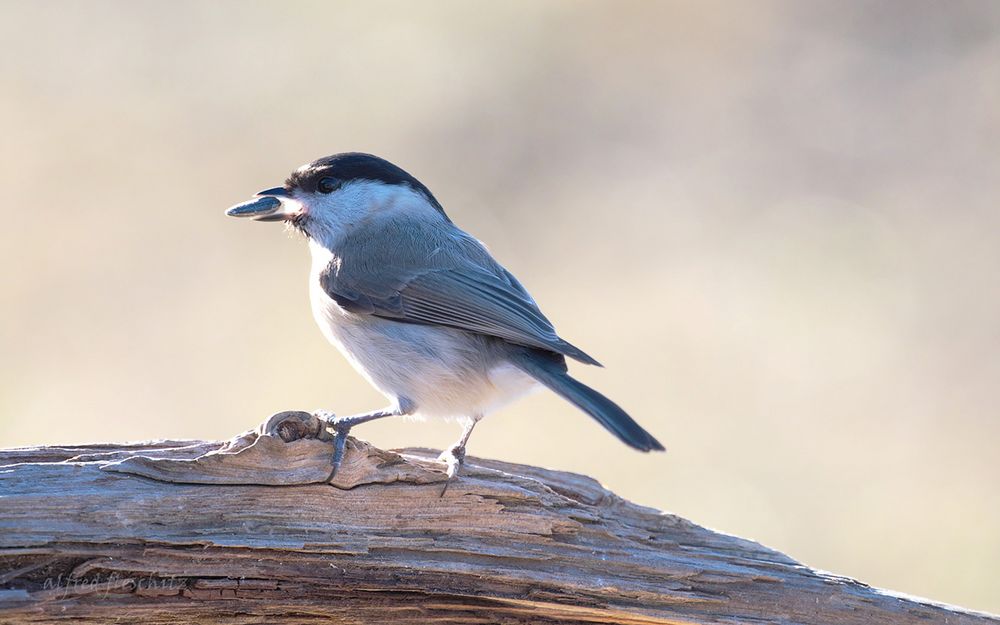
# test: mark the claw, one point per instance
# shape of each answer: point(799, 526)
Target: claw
point(325, 415)
point(341, 431)
point(454, 458)
point(339, 442)
point(341, 427)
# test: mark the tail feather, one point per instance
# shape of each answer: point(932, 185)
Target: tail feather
point(576, 353)
point(551, 372)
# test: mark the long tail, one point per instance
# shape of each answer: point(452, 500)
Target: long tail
point(550, 370)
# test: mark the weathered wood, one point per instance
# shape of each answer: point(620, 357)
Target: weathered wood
point(250, 532)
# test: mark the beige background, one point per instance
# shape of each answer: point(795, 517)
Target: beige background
point(776, 223)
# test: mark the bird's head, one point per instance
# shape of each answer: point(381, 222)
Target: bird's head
point(325, 198)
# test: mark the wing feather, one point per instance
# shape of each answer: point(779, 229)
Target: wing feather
point(439, 280)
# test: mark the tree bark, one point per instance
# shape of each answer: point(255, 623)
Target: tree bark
point(254, 531)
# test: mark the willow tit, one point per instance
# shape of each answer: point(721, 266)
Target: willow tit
point(420, 307)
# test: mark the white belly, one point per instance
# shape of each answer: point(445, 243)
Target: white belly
point(434, 371)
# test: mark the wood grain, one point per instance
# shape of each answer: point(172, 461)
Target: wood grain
point(252, 531)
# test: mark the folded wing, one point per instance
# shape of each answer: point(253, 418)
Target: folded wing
point(434, 278)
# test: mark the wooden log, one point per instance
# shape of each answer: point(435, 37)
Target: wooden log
point(253, 531)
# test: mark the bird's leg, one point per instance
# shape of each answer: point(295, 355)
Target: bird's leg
point(341, 427)
point(454, 456)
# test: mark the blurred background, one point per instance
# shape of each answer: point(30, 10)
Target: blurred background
point(776, 223)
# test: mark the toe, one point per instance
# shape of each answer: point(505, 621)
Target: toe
point(455, 453)
point(325, 415)
point(452, 472)
point(339, 443)
point(453, 458)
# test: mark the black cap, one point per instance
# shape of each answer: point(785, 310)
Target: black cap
point(352, 166)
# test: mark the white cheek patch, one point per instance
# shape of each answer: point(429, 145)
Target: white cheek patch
point(332, 215)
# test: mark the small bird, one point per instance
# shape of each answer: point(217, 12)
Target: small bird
point(418, 306)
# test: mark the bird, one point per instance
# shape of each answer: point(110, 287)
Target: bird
point(419, 307)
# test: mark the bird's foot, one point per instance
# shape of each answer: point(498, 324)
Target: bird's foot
point(341, 427)
point(453, 458)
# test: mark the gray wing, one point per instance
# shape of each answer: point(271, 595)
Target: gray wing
point(416, 274)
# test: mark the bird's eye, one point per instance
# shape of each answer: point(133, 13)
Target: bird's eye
point(328, 185)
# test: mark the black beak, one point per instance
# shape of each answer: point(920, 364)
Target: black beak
point(275, 192)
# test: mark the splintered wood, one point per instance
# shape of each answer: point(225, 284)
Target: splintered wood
point(254, 531)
